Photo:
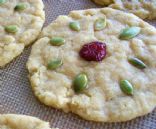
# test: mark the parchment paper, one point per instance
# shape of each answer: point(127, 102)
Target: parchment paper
point(16, 95)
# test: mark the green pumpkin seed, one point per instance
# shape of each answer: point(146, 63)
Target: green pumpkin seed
point(11, 29)
point(75, 26)
point(80, 82)
point(54, 64)
point(126, 87)
point(2, 1)
point(137, 63)
point(130, 32)
point(100, 24)
point(57, 41)
point(20, 7)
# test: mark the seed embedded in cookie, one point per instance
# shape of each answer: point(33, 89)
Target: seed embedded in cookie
point(54, 64)
point(75, 26)
point(57, 41)
point(137, 63)
point(20, 7)
point(11, 29)
point(80, 82)
point(129, 32)
point(126, 87)
point(104, 2)
point(100, 24)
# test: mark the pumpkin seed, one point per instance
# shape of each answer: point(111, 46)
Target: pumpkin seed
point(57, 41)
point(75, 26)
point(54, 64)
point(137, 63)
point(80, 82)
point(20, 7)
point(100, 24)
point(130, 32)
point(11, 29)
point(126, 87)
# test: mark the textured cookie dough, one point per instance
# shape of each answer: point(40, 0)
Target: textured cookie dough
point(12, 121)
point(29, 23)
point(144, 9)
point(103, 100)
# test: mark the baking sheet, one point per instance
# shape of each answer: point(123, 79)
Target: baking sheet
point(16, 95)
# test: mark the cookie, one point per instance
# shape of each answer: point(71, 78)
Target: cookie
point(12, 121)
point(20, 24)
point(97, 63)
point(144, 9)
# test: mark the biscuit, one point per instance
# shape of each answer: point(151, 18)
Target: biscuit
point(97, 45)
point(20, 24)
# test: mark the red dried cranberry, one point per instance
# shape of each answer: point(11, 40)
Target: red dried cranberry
point(94, 51)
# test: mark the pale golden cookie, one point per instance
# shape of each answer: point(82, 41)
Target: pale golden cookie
point(13, 121)
point(20, 24)
point(144, 9)
point(55, 62)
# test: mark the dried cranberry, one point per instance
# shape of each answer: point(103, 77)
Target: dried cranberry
point(94, 51)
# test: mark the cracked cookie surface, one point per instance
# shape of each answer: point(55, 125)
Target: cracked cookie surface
point(28, 18)
point(102, 100)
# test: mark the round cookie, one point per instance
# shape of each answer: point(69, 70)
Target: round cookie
point(20, 24)
point(143, 8)
point(55, 63)
point(12, 121)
